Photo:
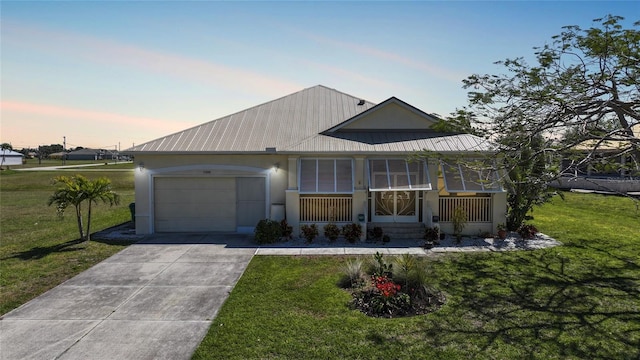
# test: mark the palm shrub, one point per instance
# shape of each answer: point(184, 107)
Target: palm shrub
point(459, 221)
point(76, 190)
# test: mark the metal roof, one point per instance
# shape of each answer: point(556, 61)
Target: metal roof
point(297, 123)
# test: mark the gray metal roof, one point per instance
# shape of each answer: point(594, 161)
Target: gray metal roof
point(294, 123)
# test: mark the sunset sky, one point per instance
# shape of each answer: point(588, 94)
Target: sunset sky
point(109, 74)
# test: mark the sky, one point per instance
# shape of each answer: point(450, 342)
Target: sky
point(111, 74)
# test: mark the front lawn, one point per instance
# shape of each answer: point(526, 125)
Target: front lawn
point(38, 250)
point(579, 300)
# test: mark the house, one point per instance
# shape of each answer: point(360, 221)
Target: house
point(10, 158)
point(607, 166)
point(314, 156)
point(91, 154)
point(603, 153)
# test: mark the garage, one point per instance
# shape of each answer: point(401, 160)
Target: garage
point(207, 204)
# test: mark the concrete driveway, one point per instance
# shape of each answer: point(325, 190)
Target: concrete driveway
point(153, 300)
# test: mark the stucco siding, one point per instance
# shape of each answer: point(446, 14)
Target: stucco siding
point(392, 116)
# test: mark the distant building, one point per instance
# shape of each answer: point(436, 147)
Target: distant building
point(10, 158)
point(91, 154)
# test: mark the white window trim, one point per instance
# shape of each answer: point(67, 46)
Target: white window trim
point(335, 176)
point(425, 168)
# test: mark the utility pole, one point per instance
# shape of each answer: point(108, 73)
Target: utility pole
point(64, 150)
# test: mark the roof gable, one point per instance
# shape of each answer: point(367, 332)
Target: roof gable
point(392, 114)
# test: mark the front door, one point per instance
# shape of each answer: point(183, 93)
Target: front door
point(395, 206)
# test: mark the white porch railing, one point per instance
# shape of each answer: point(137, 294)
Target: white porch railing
point(326, 209)
point(478, 209)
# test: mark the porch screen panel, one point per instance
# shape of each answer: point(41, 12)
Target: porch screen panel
point(419, 175)
point(326, 176)
point(344, 176)
point(308, 175)
point(490, 180)
point(398, 174)
point(470, 177)
point(378, 175)
point(453, 180)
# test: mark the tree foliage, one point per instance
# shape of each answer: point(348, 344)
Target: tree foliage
point(76, 190)
point(581, 93)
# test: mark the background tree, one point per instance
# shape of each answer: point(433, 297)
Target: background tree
point(78, 189)
point(583, 89)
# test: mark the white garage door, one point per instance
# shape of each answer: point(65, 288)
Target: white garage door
point(194, 204)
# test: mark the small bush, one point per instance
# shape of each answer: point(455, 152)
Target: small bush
point(352, 232)
point(331, 231)
point(376, 233)
point(286, 229)
point(527, 231)
point(380, 266)
point(432, 234)
point(309, 232)
point(267, 232)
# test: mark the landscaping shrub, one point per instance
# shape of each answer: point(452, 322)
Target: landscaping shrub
point(527, 231)
point(353, 274)
point(331, 231)
point(286, 229)
point(431, 236)
point(376, 233)
point(267, 232)
point(309, 232)
point(352, 232)
point(393, 293)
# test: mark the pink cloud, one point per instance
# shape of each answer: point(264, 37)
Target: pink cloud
point(431, 69)
point(52, 111)
point(109, 53)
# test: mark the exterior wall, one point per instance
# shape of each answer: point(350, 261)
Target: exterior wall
point(10, 160)
point(379, 119)
point(273, 167)
point(281, 173)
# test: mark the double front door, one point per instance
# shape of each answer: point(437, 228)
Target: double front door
point(395, 206)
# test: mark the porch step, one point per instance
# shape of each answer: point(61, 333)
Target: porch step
point(400, 230)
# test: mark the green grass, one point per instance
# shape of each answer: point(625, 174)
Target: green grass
point(38, 250)
point(35, 163)
point(580, 300)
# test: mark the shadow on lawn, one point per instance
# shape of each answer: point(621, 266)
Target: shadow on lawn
point(579, 302)
point(40, 252)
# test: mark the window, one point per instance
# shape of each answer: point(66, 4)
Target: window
point(470, 176)
point(398, 174)
point(326, 176)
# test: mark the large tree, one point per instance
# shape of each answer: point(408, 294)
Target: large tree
point(76, 190)
point(583, 90)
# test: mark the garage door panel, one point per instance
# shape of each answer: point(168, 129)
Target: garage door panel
point(194, 204)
